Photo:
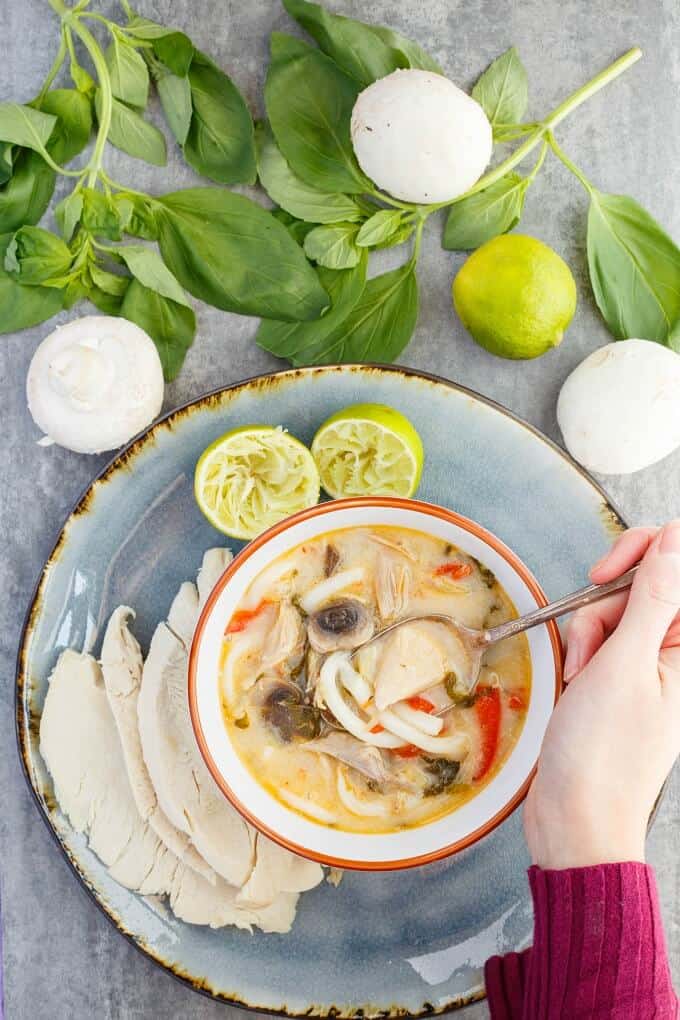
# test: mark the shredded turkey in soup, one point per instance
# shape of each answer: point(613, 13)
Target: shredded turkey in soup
point(389, 737)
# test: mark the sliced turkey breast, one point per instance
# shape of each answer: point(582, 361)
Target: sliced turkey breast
point(121, 661)
point(80, 745)
point(277, 871)
point(186, 791)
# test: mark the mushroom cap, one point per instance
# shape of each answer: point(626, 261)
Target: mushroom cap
point(419, 137)
point(94, 383)
point(619, 410)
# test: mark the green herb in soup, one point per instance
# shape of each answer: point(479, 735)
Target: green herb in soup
point(388, 738)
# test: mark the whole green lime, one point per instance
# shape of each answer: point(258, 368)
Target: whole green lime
point(516, 296)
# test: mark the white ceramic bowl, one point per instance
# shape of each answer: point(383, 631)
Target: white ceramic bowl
point(380, 851)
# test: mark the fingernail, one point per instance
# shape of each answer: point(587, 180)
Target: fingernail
point(670, 540)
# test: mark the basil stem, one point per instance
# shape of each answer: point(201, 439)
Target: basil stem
point(560, 112)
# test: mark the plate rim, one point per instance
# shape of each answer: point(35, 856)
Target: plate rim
point(118, 460)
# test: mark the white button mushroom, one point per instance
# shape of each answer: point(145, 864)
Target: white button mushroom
point(419, 137)
point(95, 383)
point(619, 410)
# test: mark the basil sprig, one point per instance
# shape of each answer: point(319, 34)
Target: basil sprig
point(303, 266)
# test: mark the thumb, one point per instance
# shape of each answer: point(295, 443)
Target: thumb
point(655, 596)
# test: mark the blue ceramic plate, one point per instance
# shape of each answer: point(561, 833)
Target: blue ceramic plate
point(410, 942)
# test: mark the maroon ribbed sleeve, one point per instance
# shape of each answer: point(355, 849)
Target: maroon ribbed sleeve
point(599, 951)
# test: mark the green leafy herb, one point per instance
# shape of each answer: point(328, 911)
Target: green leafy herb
point(72, 131)
point(380, 227)
point(175, 96)
point(229, 251)
point(480, 217)
point(35, 256)
point(26, 195)
point(68, 213)
point(220, 141)
point(634, 268)
point(134, 135)
point(444, 773)
point(110, 283)
point(379, 325)
point(176, 51)
point(148, 267)
point(20, 306)
point(6, 161)
point(294, 195)
point(170, 325)
point(24, 126)
point(300, 342)
point(333, 245)
point(309, 102)
point(100, 214)
point(366, 52)
point(128, 72)
point(502, 91)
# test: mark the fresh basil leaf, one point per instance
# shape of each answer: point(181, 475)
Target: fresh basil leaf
point(488, 213)
point(366, 52)
point(171, 47)
point(128, 72)
point(134, 135)
point(68, 213)
point(109, 304)
point(26, 196)
point(502, 91)
point(398, 237)
point(175, 96)
point(220, 143)
point(291, 193)
point(36, 256)
point(110, 283)
point(295, 340)
point(333, 245)
point(100, 215)
point(380, 324)
point(232, 253)
point(21, 307)
point(380, 227)
point(81, 79)
point(171, 326)
point(634, 268)
point(71, 134)
point(141, 222)
point(6, 161)
point(415, 54)
point(309, 102)
point(75, 290)
point(176, 51)
point(352, 45)
point(148, 267)
point(22, 125)
point(298, 229)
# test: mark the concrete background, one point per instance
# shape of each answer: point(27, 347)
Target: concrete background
point(62, 958)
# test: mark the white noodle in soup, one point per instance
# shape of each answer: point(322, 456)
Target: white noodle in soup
point(389, 738)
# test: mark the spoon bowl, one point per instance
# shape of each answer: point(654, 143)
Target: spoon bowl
point(476, 642)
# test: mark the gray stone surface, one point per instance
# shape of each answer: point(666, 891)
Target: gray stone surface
point(62, 959)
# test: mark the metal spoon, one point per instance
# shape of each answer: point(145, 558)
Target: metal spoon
point(476, 642)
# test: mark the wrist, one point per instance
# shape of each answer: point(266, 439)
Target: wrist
point(564, 836)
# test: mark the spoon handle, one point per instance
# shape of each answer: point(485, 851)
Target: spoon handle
point(583, 597)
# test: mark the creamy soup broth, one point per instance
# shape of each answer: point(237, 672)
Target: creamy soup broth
point(391, 738)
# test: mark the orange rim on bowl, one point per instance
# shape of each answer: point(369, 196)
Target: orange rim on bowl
point(321, 509)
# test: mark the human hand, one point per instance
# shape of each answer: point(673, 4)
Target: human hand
point(615, 732)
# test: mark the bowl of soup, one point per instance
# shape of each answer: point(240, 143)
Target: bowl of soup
point(364, 753)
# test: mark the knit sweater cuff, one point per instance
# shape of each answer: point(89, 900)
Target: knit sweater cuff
point(599, 949)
